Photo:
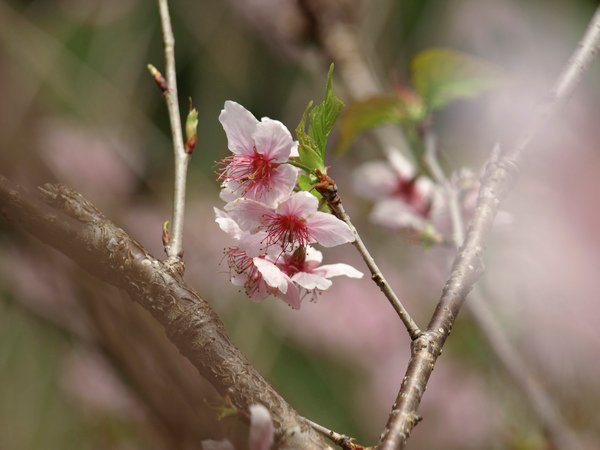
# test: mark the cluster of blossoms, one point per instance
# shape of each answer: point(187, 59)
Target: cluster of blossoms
point(273, 226)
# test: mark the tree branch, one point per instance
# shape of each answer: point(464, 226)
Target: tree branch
point(72, 225)
point(174, 246)
point(498, 179)
point(328, 189)
point(509, 357)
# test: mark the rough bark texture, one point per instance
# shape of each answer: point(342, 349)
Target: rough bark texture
point(69, 223)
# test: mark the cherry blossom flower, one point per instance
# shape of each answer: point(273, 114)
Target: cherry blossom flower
point(296, 222)
point(251, 269)
point(302, 266)
point(257, 169)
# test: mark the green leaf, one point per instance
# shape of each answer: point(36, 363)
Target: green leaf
point(324, 115)
point(376, 111)
point(307, 147)
point(441, 76)
point(304, 182)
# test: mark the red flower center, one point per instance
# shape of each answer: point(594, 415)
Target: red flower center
point(240, 263)
point(250, 172)
point(407, 191)
point(287, 231)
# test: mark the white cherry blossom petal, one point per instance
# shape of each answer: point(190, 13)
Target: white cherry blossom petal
point(283, 181)
point(294, 152)
point(301, 204)
point(227, 224)
point(336, 270)
point(328, 230)
point(239, 125)
point(273, 140)
point(313, 255)
point(292, 296)
point(310, 281)
point(271, 274)
point(249, 214)
point(262, 431)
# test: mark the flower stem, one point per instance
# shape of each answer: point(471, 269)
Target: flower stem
point(328, 189)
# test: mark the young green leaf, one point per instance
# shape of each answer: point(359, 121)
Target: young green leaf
point(310, 155)
point(441, 76)
point(323, 116)
point(376, 111)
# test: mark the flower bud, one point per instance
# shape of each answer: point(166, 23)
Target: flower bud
point(191, 127)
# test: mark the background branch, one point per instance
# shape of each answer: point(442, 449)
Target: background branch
point(496, 182)
point(174, 247)
point(72, 225)
point(542, 405)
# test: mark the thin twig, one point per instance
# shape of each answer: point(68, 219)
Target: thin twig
point(328, 189)
point(341, 440)
point(509, 357)
point(174, 246)
point(498, 179)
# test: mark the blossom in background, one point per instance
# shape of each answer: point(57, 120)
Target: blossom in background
point(295, 222)
point(257, 169)
point(404, 200)
point(261, 435)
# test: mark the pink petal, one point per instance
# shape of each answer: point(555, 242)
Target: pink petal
point(252, 244)
point(313, 255)
point(311, 281)
point(292, 296)
point(283, 180)
point(262, 431)
point(301, 204)
point(227, 224)
point(249, 214)
point(239, 125)
point(335, 270)
point(228, 193)
point(328, 230)
point(272, 139)
point(271, 274)
point(294, 152)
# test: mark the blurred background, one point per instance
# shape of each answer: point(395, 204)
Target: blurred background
point(81, 367)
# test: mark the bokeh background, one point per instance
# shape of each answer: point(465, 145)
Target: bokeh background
point(81, 367)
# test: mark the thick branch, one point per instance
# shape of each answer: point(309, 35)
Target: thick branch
point(70, 224)
point(174, 247)
point(497, 181)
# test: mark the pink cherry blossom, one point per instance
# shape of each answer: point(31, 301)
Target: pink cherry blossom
point(251, 268)
point(257, 169)
point(302, 266)
point(296, 222)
